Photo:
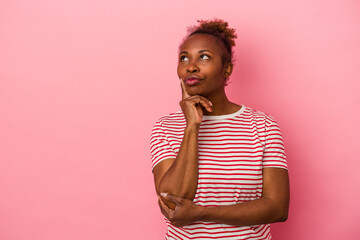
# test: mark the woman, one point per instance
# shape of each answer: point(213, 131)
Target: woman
point(219, 167)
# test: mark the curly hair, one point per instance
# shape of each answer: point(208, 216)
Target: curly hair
point(221, 30)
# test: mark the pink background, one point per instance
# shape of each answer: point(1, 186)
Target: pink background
point(82, 83)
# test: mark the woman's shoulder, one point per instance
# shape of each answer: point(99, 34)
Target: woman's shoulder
point(172, 118)
point(258, 115)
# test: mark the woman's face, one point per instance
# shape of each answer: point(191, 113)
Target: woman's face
point(200, 65)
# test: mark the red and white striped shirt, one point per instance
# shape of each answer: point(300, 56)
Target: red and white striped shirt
point(232, 151)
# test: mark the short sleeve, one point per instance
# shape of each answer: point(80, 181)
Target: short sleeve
point(160, 148)
point(274, 152)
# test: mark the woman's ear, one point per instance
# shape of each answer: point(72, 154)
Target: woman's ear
point(228, 69)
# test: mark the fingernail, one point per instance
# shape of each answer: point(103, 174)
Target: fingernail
point(163, 194)
point(210, 103)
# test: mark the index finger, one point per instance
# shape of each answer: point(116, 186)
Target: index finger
point(162, 204)
point(183, 90)
point(164, 209)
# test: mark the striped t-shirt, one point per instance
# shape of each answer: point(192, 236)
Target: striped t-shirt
point(232, 151)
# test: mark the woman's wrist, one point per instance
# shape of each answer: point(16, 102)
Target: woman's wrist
point(192, 128)
point(201, 213)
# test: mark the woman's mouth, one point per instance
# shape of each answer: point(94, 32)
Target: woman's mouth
point(191, 82)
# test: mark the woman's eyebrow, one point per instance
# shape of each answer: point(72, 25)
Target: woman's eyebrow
point(201, 51)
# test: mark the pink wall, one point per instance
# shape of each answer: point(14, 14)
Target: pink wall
point(82, 83)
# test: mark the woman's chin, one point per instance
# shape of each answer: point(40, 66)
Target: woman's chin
point(194, 91)
point(199, 93)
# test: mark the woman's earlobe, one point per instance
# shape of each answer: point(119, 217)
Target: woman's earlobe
point(228, 70)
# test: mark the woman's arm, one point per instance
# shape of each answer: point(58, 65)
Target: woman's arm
point(271, 207)
point(179, 176)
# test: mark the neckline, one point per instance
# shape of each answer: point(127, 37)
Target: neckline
point(216, 117)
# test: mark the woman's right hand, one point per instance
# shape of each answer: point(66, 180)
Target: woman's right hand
point(191, 106)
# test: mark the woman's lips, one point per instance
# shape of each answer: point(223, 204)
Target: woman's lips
point(192, 81)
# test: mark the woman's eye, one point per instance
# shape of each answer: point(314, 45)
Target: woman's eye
point(183, 58)
point(204, 57)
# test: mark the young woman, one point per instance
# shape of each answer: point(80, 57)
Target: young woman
point(219, 168)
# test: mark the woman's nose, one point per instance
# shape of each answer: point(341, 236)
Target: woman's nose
point(192, 68)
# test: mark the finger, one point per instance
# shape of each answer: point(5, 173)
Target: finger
point(207, 101)
point(184, 93)
point(206, 104)
point(164, 209)
point(167, 212)
point(203, 101)
point(163, 205)
point(177, 200)
point(164, 213)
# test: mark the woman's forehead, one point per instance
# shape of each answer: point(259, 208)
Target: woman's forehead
point(200, 41)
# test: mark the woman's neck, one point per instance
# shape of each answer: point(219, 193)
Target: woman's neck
point(221, 105)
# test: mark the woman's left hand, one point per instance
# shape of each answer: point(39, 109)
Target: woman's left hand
point(185, 211)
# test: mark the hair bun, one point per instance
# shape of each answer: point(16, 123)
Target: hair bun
point(216, 26)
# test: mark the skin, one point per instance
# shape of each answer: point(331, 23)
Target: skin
point(201, 55)
point(176, 179)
